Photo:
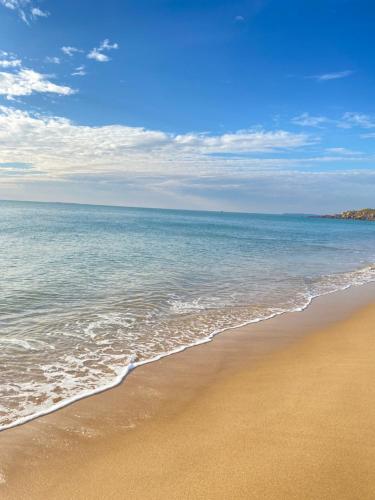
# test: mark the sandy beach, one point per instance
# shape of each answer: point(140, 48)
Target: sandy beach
point(281, 409)
point(187, 236)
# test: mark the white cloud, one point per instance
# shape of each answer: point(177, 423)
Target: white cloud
point(343, 151)
point(97, 56)
point(332, 76)
point(347, 121)
point(10, 63)
point(106, 45)
point(242, 141)
point(351, 119)
point(26, 82)
point(25, 9)
point(53, 60)
point(239, 19)
point(70, 51)
point(368, 136)
point(79, 71)
point(36, 12)
point(14, 4)
point(306, 120)
point(59, 148)
point(97, 52)
point(18, 6)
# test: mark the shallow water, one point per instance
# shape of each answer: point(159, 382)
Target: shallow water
point(87, 291)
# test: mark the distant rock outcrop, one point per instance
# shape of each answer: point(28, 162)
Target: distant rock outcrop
point(363, 214)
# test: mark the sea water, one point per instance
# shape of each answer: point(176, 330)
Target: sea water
point(88, 292)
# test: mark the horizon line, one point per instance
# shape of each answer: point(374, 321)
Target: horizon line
point(159, 208)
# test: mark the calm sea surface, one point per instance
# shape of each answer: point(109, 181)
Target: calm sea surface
point(89, 291)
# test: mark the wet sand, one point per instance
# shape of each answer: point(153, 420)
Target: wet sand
point(280, 409)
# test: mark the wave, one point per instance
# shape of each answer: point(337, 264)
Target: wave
point(317, 287)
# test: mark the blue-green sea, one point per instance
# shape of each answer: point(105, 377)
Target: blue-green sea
point(88, 292)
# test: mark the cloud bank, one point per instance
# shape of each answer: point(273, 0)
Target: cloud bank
point(58, 147)
point(50, 157)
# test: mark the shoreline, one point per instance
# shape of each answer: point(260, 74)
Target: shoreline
point(128, 369)
point(149, 394)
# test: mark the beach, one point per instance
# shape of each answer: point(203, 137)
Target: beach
point(279, 409)
point(187, 264)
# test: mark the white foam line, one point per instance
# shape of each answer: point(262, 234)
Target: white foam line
point(132, 366)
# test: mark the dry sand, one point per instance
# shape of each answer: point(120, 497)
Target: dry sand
point(293, 422)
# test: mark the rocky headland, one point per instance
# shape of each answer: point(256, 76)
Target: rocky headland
point(363, 214)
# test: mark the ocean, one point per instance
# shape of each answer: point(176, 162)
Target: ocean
point(89, 292)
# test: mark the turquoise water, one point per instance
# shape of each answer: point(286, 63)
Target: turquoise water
point(87, 292)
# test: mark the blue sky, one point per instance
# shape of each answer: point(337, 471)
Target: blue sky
point(257, 105)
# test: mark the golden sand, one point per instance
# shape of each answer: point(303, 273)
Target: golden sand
point(298, 422)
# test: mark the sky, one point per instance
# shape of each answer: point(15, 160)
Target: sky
point(237, 105)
